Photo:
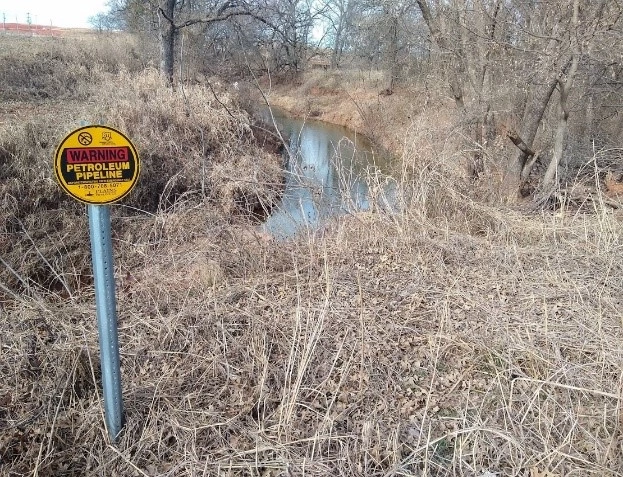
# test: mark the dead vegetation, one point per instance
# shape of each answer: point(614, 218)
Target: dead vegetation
point(40, 68)
point(452, 337)
point(391, 345)
point(193, 149)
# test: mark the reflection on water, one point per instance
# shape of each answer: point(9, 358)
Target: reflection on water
point(328, 173)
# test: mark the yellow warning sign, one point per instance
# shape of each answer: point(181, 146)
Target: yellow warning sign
point(96, 164)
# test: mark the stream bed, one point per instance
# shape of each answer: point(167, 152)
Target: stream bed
point(330, 171)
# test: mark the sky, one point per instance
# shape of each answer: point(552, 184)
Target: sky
point(61, 13)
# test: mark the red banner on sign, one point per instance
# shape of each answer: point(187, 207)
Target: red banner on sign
point(97, 154)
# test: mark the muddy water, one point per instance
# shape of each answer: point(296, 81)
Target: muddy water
point(330, 170)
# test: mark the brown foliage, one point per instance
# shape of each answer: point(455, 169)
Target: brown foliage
point(194, 149)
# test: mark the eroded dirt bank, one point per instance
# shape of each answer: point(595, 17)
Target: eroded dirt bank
point(354, 99)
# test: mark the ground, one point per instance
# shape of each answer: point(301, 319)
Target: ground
point(451, 337)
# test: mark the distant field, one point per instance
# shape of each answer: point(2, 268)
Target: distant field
point(39, 30)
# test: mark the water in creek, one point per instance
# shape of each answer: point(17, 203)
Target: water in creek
point(330, 170)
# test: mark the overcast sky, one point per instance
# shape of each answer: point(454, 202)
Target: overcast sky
point(61, 13)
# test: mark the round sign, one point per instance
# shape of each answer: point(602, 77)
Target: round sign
point(96, 164)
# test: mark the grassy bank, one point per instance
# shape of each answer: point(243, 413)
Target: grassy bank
point(450, 338)
point(351, 98)
point(194, 149)
point(389, 346)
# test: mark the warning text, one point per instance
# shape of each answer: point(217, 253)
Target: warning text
point(97, 154)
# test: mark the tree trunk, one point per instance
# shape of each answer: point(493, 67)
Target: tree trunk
point(435, 32)
point(550, 178)
point(477, 67)
point(338, 43)
point(565, 84)
point(533, 115)
point(392, 53)
point(335, 55)
point(167, 39)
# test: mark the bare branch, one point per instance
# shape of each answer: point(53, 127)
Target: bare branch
point(517, 141)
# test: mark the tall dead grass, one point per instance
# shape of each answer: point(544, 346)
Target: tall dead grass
point(194, 148)
point(442, 336)
point(450, 338)
point(50, 68)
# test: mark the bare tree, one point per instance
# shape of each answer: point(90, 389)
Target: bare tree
point(339, 14)
point(582, 33)
point(132, 15)
point(565, 83)
point(289, 24)
point(175, 15)
point(554, 38)
point(382, 24)
point(467, 35)
point(446, 45)
point(529, 50)
point(103, 22)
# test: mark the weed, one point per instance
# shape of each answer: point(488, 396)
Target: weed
point(446, 337)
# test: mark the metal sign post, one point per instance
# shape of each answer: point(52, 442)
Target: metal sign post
point(106, 304)
point(98, 165)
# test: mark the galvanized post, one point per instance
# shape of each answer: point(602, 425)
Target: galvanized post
point(106, 304)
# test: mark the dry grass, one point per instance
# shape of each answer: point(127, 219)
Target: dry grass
point(193, 149)
point(453, 339)
point(351, 98)
point(192, 142)
point(447, 338)
point(49, 68)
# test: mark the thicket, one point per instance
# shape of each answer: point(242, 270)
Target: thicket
point(195, 147)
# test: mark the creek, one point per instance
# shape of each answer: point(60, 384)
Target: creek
point(330, 171)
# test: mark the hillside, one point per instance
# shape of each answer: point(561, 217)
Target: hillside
point(454, 335)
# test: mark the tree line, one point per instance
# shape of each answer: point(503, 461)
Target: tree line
point(520, 69)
